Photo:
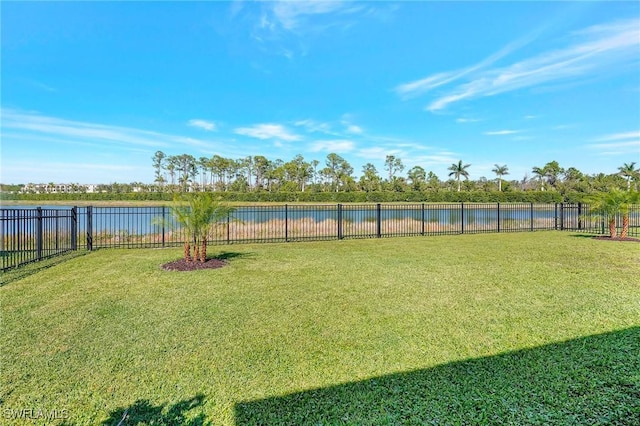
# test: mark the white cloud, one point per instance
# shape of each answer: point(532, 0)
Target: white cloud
point(597, 49)
point(314, 126)
point(352, 128)
point(426, 84)
point(291, 14)
point(268, 131)
point(501, 132)
point(209, 126)
point(57, 127)
point(437, 158)
point(337, 145)
point(57, 130)
point(618, 144)
point(349, 126)
point(467, 120)
point(289, 28)
point(619, 136)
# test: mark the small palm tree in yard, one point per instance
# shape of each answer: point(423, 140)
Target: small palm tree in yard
point(608, 205)
point(196, 213)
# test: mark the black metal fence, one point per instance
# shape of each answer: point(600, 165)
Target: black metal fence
point(27, 235)
point(33, 234)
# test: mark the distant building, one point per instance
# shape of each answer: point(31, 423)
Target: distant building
point(58, 188)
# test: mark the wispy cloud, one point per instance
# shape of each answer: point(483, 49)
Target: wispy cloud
point(501, 132)
point(268, 131)
point(415, 88)
point(467, 120)
point(313, 126)
point(356, 130)
point(619, 136)
point(290, 15)
point(41, 126)
point(345, 128)
point(618, 144)
point(39, 85)
point(76, 171)
point(597, 49)
point(209, 126)
point(337, 146)
point(350, 128)
point(379, 153)
point(287, 28)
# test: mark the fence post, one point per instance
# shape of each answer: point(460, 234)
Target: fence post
point(555, 216)
point(378, 220)
point(89, 228)
point(339, 221)
point(498, 217)
point(39, 233)
point(286, 223)
point(74, 228)
point(562, 216)
point(422, 219)
point(462, 218)
point(531, 228)
point(579, 216)
point(164, 221)
point(228, 227)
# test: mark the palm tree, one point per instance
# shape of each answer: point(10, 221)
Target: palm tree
point(608, 205)
point(196, 217)
point(500, 171)
point(628, 171)
point(540, 173)
point(458, 170)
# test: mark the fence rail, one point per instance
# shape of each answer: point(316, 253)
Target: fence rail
point(29, 234)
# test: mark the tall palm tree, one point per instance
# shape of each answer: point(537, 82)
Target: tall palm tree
point(628, 171)
point(500, 171)
point(458, 170)
point(540, 173)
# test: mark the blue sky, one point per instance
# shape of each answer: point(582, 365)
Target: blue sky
point(91, 90)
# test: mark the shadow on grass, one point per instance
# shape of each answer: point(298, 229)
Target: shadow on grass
point(34, 267)
point(142, 412)
point(587, 235)
point(227, 255)
point(590, 380)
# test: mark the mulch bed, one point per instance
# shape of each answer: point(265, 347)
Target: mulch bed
point(182, 265)
point(605, 238)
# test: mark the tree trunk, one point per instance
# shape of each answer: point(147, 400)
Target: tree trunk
point(187, 252)
point(625, 226)
point(196, 253)
point(612, 227)
point(203, 252)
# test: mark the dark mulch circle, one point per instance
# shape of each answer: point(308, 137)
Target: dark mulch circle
point(605, 238)
point(182, 265)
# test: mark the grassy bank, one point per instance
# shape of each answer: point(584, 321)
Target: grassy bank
point(531, 328)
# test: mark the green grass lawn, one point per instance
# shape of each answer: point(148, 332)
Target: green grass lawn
point(522, 328)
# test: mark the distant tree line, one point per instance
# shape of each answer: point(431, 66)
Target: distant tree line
point(257, 173)
point(256, 178)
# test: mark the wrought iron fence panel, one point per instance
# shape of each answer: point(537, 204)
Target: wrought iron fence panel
point(29, 234)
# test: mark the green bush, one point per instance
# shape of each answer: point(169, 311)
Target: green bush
point(325, 197)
